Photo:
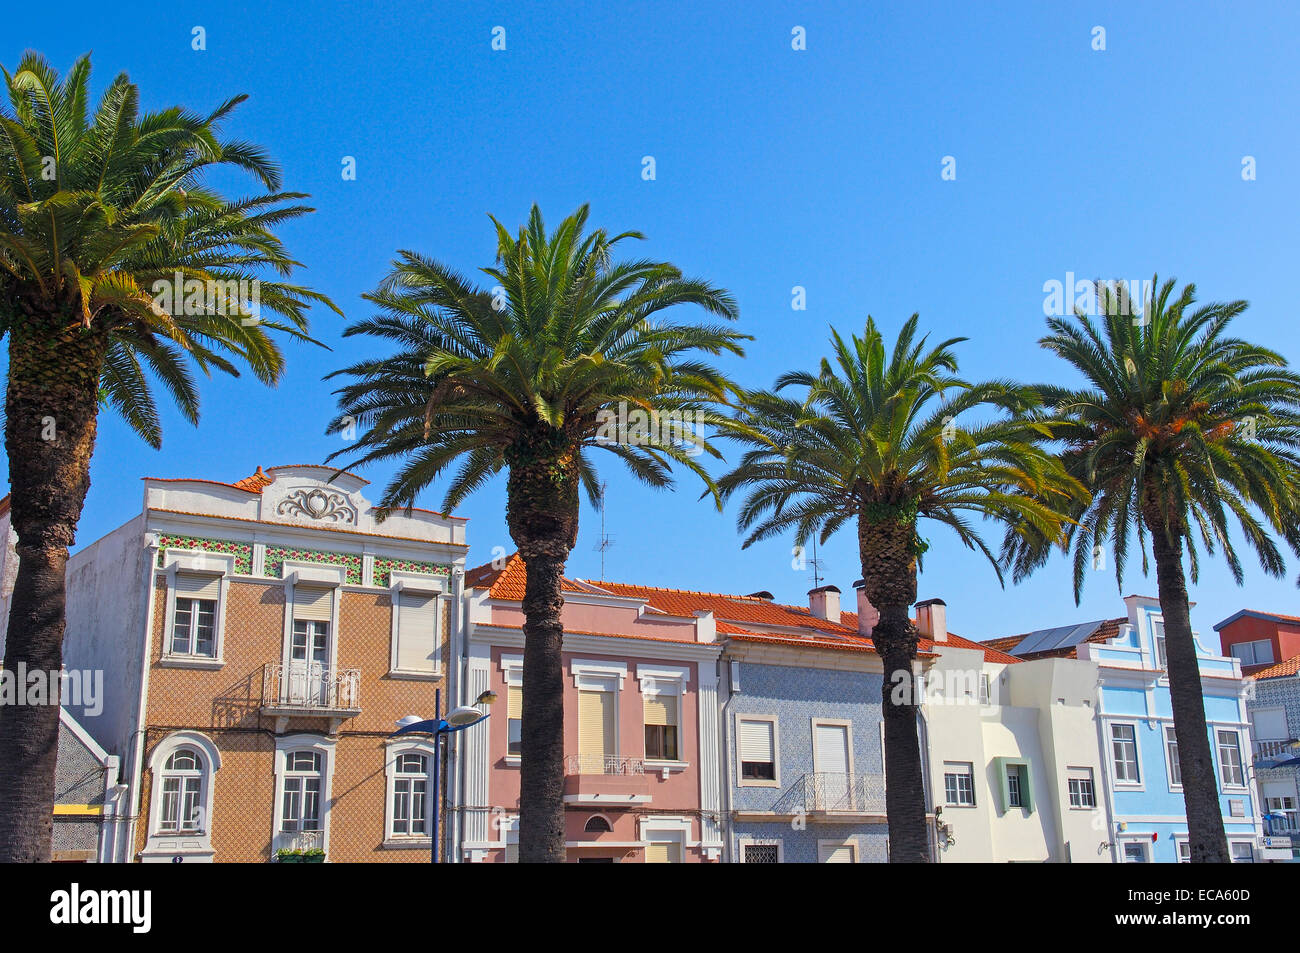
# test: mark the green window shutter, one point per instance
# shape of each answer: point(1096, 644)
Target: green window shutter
point(1003, 766)
point(1004, 794)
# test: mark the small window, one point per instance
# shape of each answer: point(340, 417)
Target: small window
point(985, 692)
point(1083, 793)
point(1014, 798)
point(762, 854)
point(1184, 852)
point(1242, 852)
point(1123, 741)
point(660, 727)
point(1259, 652)
point(514, 720)
point(757, 751)
point(597, 825)
point(194, 628)
point(1230, 758)
point(1162, 660)
point(959, 783)
point(1136, 853)
point(1171, 750)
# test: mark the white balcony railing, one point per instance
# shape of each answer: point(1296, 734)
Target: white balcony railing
point(1272, 748)
point(602, 764)
point(310, 686)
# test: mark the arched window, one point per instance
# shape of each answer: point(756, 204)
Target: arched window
point(410, 786)
point(182, 792)
point(597, 825)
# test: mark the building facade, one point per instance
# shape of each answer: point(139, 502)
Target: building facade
point(1146, 819)
point(640, 733)
point(261, 639)
point(1259, 639)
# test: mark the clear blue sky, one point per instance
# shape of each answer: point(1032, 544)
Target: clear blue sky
point(775, 168)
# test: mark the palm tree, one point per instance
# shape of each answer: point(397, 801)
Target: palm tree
point(118, 268)
point(529, 377)
point(1179, 431)
point(874, 440)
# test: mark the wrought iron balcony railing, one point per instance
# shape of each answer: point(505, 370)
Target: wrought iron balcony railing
point(827, 792)
point(602, 764)
point(310, 686)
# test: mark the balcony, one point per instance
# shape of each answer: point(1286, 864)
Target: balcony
point(834, 797)
point(605, 781)
point(310, 690)
point(1280, 752)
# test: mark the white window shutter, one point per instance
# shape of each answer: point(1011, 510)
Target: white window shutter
point(312, 603)
point(417, 632)
point(756, 743)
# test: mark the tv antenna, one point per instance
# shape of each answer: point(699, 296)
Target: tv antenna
point(605, 542)
point(816, 565)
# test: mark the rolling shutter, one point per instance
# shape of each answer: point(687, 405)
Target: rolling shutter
point(595, 730)
point(195, 586)
point(312, 603)
point(1270, 724)
point(661, 709)
point(756, 741)
point(514, 701)
point(417, 632)
point(658, 852)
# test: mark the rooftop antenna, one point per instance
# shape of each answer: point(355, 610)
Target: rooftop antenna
point(605, 542)
point(816, 565)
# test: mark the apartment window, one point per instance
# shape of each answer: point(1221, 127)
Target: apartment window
point(1284, 809)
point(596, 824)
point(1243, 852)
point(984, 688)
point(194, 627)
point(182, 792)
point(415, 633)
point(661, 727)
point(762, 854)
point(1123, 744)
point(1158, 633)
point(514, 720)
point(1083, 793)
point(1184, 852)
point(1230, 758)
point(1013, 787)
point(311, 641)
point(959, 783)
point(301, 795)
point(1135, 852)
point(667, 850)
point(409, 798)
point(1171, 751)
point(1254, 653)
point(757, 750)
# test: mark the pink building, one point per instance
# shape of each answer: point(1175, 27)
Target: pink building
point(641, 732)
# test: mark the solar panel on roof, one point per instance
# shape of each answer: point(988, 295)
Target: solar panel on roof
point(1059, 637)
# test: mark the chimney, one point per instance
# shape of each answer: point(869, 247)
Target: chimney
point(932, 619)
point(824, 603)
point(867, 614)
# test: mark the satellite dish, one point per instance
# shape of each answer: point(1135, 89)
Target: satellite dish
point(464, 715)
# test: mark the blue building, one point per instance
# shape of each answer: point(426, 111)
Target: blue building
point(1135, 727)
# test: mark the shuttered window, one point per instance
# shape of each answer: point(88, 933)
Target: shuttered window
point(514, 719)
point(197, 586)
point(661, 727)
point(194, 615)
point(313, 603)
point(417, 632)
point(663, 852)
point(596, 737)
point(757, 750)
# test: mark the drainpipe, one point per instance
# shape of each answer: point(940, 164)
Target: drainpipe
point(727, 767)
point(1111, 823)
point(134, 792)
point(455, 696)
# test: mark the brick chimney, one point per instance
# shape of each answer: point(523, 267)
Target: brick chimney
point(824, 603)
point(932, 619)
point(867, 614)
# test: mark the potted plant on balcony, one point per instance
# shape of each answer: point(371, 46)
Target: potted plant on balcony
point(287, 855)
point(315, 855)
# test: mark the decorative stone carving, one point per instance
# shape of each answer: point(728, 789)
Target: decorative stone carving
point(318, 504)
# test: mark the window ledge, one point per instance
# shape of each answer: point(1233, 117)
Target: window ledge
point(758, 784)
point(408, 843)
point(185, 661)
point(513, 760)
point(416, 676)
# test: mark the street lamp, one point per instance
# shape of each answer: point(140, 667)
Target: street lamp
point(458, 719)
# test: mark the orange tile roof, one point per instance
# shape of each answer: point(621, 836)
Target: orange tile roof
point(1281, 669)
point(736, 615)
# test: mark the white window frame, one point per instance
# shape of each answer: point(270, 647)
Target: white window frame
point(744, 840)
point(195, 845)
point(418, 584)
point(1234, 786)
point(316, 576)
point(221, 565)
point(1080, 773)
point(393, 751)
point(1239, 842)
point(657, 680)
point(1128, 785)
point(985, 688)
point(847, 725)
point(1254, 645)
point(668, 830)
point(969, 773)
point(1143, 841)
point(741, 780)
point(512, 674)
point(1170, 765)
point(1159, 650)
point(837, 842)
point(284, 745)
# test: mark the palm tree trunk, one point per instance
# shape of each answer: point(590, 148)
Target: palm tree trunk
point(51, 406)
point(889, 577)
point(542, 513)
point(1205, 832)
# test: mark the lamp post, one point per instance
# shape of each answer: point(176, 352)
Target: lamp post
point(458, 719)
